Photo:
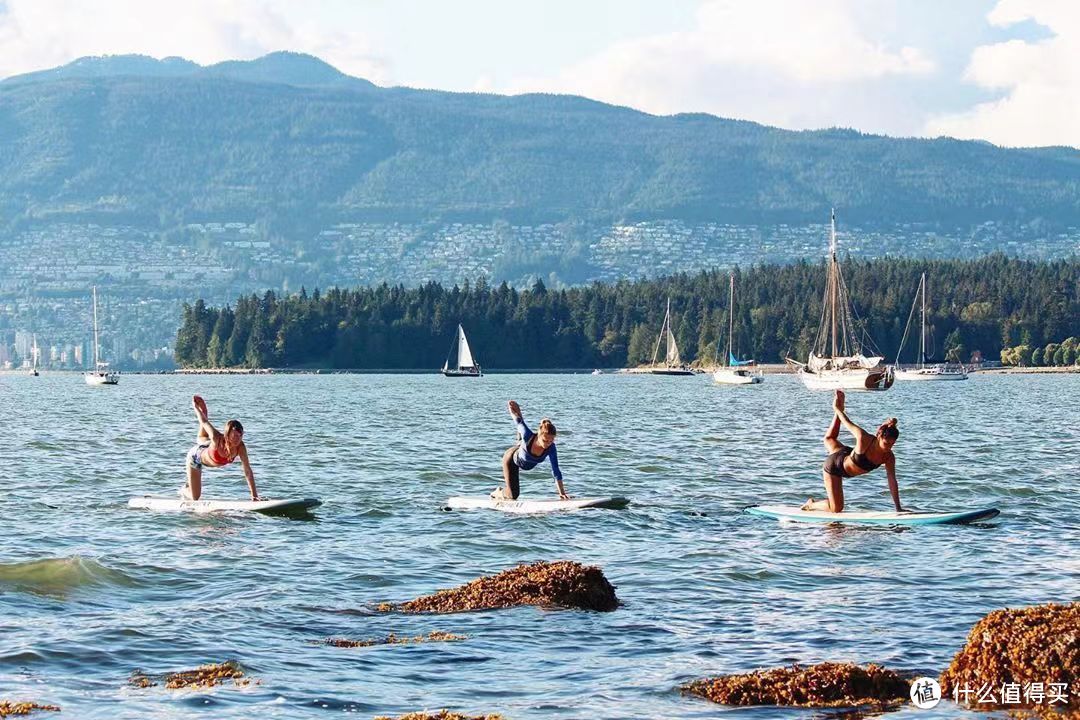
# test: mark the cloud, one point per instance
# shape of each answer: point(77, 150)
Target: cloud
point(37, 34)
point(783, 62)
point(1040, 81)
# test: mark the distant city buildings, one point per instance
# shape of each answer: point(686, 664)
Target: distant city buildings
point(145, 276)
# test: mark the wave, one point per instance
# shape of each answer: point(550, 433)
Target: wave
point(59, 576)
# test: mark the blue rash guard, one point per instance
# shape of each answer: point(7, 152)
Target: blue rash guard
point(526, 460)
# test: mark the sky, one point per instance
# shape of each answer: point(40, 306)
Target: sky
point(1004, 71)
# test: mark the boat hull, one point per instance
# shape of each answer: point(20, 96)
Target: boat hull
point(922, 375)
point(727, 377)
point(101, 379)
point(462, 373)
point(879, 378)
point(670, 371)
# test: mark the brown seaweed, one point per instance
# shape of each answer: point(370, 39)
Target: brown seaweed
point(204, 676)
point(821, 685)
point(557, 584)
point(12, 707)
point(1032, 653)
point(392, 639)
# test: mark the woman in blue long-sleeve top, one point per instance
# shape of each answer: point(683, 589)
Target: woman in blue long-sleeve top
point(531, 450)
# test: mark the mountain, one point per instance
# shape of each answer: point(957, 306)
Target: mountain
point(109, 66)
point(284, 68)
point(287, 139)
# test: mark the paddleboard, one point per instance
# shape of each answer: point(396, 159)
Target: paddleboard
point(266, 507)
point(792, 513)
point(484, 502)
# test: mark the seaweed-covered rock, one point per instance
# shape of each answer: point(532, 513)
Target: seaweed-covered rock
point(11, 707)
point(821, 685)
point(392, 639)
point(562, 584)
point(204, 676)
point(1032, 653)
point(441, 715)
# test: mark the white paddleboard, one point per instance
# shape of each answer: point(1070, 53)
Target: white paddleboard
point(792, 513)
point(535, 506)
point(267, 507)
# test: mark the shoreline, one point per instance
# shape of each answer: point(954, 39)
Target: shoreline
point(767, 369)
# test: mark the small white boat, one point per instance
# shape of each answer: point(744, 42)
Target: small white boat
point(465, 364)
point(101, 374)
point(735, 373)
point(738, 376)
point(673, 364)
point(35, 352)
point(933, 372)
point(597, 372)
point(837, 360)
point(922, 371)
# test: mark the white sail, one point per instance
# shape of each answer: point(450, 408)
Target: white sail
point(672, 358)
point(464, 353)
point(673, 364)
point(460, 362)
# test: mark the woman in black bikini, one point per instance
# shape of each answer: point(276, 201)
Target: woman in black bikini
point(870, 452)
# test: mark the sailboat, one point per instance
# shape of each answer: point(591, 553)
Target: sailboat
point(34, 363)
point(101, 374)
point(464, 365)
point(922, 371)
point(673, 364)
point(735, 372)
point(837, 360)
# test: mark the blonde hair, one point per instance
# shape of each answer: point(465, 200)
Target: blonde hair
point(547, 428)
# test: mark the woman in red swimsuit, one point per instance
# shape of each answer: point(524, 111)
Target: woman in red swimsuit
point(215, 449)
point(870, 452)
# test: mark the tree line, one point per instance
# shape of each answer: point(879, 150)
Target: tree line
point(1062, 354)
point(983, 305)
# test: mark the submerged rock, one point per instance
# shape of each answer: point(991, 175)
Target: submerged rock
point(562, 584)
point(822, 685)
point(1027, 657)
point(392, 639)
point(11, 707)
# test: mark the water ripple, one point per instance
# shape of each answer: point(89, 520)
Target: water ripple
point(90, 590)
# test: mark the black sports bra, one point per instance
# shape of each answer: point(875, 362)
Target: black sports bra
point(864, 462)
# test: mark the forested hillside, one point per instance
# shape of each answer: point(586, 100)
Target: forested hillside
point(290, 143)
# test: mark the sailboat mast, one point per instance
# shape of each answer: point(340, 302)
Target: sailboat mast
point(833, 289)
point(667, 326)
point(922, 334)
point(96, 358)
point(660, 337)
point(731, 319)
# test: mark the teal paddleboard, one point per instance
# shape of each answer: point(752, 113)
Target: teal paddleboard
point(792, 513)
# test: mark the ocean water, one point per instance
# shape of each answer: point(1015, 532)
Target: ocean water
point(91, 590)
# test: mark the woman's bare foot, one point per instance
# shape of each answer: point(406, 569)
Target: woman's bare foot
point(808, 505)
